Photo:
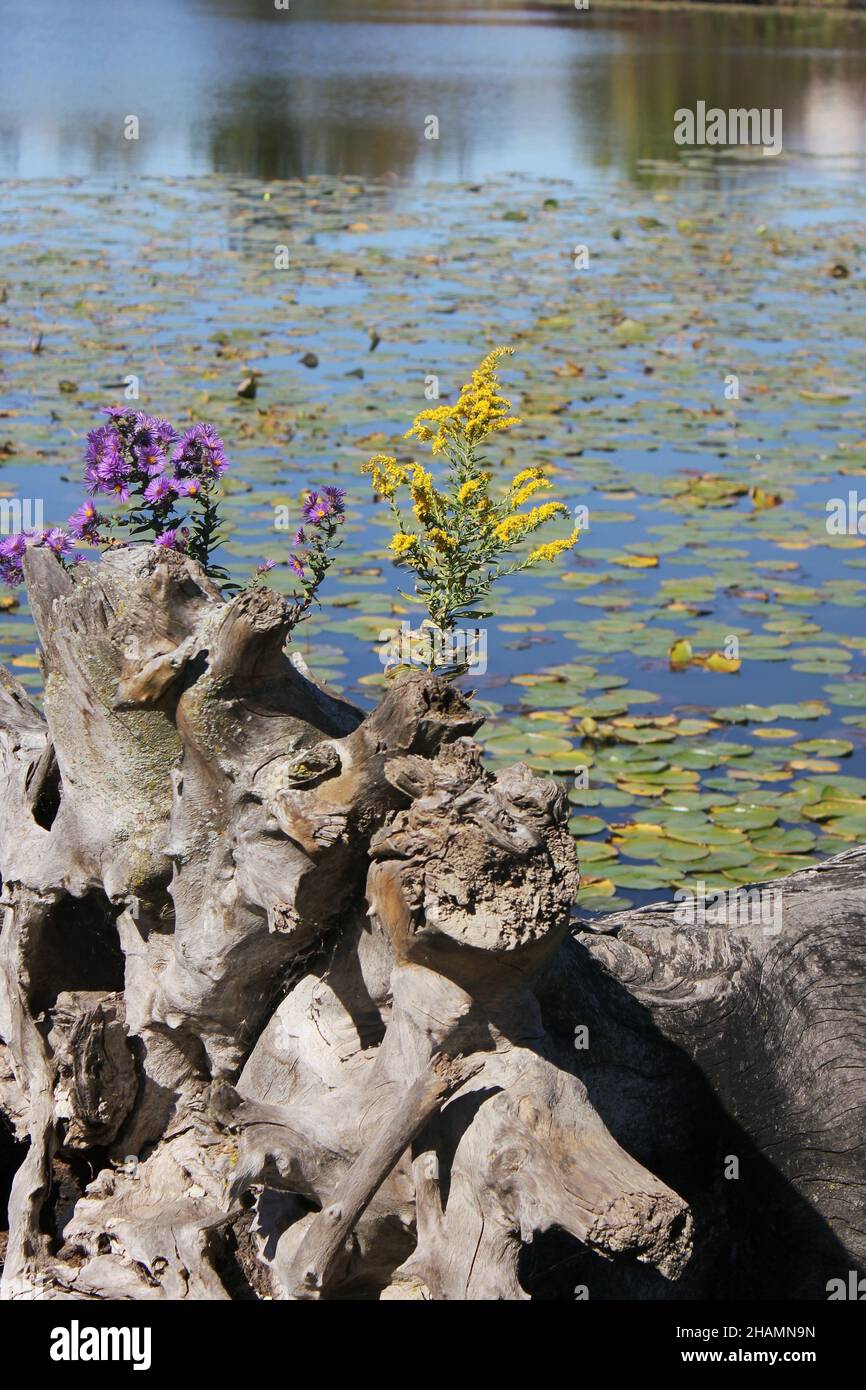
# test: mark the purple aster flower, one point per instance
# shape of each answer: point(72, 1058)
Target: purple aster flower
point(327, 503)
point(265, 567)
point(103, 451)
point(296, 564)
point(105, 468)
point(117, 412)
point(57, 540)
point(151, 440)
point(188, 487)
point(300, 537)
point(171, 540)
point(200, 453)
point(11, 555)
point(12, 551)
point(158, 431)
point(316, 508)
point(150, 459)
point(337, 498)
point(158, 489)
point(84, 524)
point(113, 475)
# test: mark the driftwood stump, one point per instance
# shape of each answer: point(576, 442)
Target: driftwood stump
point(288, 999)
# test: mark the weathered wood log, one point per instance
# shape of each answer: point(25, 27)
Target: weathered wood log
point(331, 1227)
point(738, 1040)
point(288, 996)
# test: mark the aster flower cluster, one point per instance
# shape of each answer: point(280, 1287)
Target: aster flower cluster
point(170, 484)
point(314, 543)
point(142, 458)
point(143, 461)
point(129, 452)
point(13, 547)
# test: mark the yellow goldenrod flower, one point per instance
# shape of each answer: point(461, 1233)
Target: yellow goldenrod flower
point(403, 542)
point(387, 474)
point(511, 529)
point(502, 422)
point(538, 515)
point(515, 527)
point(479, 411)
point(524, 493)
point(464, 539)
point(551, 549)
point(421, 428)
point(467, 490)
point(525, 476)
point(442, 540)
point(423, 493)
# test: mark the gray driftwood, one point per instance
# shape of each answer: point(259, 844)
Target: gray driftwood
point(288, 998)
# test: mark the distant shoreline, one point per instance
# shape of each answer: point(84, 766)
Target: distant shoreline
point(856, 9)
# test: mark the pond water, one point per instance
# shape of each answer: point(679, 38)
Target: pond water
point(240, 87)
point(156, 258)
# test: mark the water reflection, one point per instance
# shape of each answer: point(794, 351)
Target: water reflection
point(244, 88)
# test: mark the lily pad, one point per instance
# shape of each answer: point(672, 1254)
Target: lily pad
point(586, 825)
point(745, 817)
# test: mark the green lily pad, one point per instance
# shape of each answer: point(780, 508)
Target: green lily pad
point(806, 709)
point(745, 714)
point(601, 796)
point(825, 747)
point(720, 860)
point(586, 825)
point(780, 841)
point(833, 808)
point(745, 817)
point(519, 744)
point(635, 876)
point(849, 693)
point(850, 825)
point(594, 852)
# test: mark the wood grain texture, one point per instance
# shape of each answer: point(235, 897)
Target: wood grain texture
point(288, 998)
